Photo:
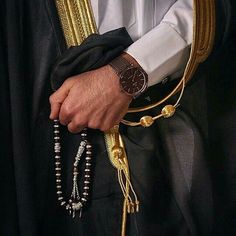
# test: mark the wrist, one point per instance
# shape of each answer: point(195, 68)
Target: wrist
point(115, 84)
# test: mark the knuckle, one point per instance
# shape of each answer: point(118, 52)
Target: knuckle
point(66, 82)
point(51, 99)
point(67, 111)
point(55, 98)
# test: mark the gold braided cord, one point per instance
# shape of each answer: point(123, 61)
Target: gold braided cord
point(147, 121)
point(124, 218)
point(203, 40)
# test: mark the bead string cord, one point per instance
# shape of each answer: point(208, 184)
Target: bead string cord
point(75, 203)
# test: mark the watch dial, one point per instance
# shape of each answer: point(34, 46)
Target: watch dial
point(133, 81)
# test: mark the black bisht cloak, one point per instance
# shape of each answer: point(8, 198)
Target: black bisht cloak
point(182, 168)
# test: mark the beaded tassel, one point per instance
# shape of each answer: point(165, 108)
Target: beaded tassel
point(75, 203)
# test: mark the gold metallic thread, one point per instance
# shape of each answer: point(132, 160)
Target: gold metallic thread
point(76, 19)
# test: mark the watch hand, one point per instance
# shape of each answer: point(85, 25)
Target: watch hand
point(135, 74)
point(130, 77)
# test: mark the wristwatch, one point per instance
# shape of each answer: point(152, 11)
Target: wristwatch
point(133, 79)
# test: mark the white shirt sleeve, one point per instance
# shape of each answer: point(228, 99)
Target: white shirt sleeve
point(164, 51)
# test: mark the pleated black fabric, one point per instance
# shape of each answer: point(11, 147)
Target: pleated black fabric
point(169, 162)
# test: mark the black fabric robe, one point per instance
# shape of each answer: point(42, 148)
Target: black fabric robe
point(170, 162)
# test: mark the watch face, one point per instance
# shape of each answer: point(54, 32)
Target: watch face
point(133, 81)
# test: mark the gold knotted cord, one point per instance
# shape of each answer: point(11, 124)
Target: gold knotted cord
point(204, 21)
point(77, 21)
point(117, 155)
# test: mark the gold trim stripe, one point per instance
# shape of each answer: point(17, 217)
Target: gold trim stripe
point(77, 20)
point(203, 35)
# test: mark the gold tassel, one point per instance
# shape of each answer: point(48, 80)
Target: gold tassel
point(118, 158)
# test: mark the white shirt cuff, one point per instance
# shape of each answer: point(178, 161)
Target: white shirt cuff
point(161, 52)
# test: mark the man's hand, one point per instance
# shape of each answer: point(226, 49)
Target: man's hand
point(92, 99)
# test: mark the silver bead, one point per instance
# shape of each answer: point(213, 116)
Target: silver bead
point(83, 143)
point(77, 206)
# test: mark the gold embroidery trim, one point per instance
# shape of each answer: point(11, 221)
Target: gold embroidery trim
point(77, 20)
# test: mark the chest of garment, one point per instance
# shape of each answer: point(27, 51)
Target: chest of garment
point(138, 16)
